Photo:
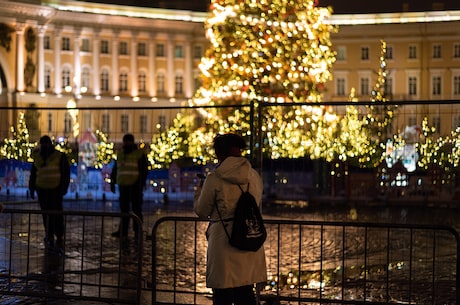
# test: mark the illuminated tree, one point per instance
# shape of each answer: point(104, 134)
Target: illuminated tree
point(352, 137)
point(18, 146)
point(105, 150)
point(270, 52)
point(379, 116)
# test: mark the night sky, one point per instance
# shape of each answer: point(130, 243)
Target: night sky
point(339, 6)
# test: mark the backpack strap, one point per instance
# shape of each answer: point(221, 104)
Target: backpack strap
point(222, 220)
point(242, 188)
point(220, 216)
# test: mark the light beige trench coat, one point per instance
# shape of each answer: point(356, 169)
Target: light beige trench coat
point(227, 266)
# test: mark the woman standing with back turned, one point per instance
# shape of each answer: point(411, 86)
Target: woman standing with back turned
point(230, 272)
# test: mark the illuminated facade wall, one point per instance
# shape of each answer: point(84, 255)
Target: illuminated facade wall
point(113, 56)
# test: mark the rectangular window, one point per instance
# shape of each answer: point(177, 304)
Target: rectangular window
point(47, 43)
point(179, 51)
point(364, 86)
point(124, 123)
point(412, 121)
point(437, 51)
point(65, 44)
point(364, 53)
point(436, 85)
point(412, 86)
point(105, 47)
point(457, 85)
point(85, 45)
point(197, 52)
point(47, 77)
point(412, 52)
point(162, 122)
point(341, 53)
point(161, 84)
point(86, 122)
point(456, 122)
point(123, 48)
point(160, 52)
point(179, 84)
point(388, 87)
point(143, 123)
point(457, 50)
point(105, 123)
point(85, 78)
point(141, 49)
point(142, 82)
point(65, 77)
point(50, 122)
point(340, 86)
point(123, 82)
point(105, 81)
point(67, 123)
point(389, 52)
point(436, 121)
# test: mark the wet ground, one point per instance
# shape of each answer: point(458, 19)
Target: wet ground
point(324, 212)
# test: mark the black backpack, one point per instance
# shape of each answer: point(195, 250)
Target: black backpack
point(248, 233)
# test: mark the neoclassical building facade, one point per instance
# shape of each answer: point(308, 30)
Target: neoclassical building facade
point(126, 69)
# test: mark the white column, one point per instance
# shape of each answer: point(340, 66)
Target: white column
point(77, 63)
point(152, 80)
point(170, 79)
point(20, 87)
point(57, 61)
point(115, 72)
point(134, 72)
point(188, 77)
point(41, 59)
point(96, 76)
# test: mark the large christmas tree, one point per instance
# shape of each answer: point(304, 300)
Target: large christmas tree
point(264, 52)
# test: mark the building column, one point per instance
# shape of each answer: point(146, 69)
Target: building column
point(152, 80)
point(20, 57)
point(115, 73)
point(188, 79)
point(134, 72)
point(170, 77)
point(41, 59)
point(96, 76)
point(57, 61)
point(77, 63)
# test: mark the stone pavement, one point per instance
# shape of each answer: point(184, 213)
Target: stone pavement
point(48, 273)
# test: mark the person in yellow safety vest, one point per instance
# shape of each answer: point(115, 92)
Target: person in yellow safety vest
point(130, 173)
point(50, 178)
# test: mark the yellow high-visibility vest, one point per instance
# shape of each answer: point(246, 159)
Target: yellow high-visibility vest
point(49, 172)
point(127, 167)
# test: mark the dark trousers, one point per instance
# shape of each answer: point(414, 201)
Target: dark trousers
point(51, 200)
point(243, 295)
point(130, 195)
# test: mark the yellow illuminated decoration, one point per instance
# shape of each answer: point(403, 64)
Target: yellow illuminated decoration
point(18, 146)
point(266, 51)
point(261, 52)
point(105, 150)
point(379, 117)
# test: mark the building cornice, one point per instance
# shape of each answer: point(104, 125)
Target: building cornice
point(395, 18)
point(126, 11)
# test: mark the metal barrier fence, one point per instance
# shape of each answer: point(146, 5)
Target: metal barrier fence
point(285, 179)
point(94, 266)
point(319, 263)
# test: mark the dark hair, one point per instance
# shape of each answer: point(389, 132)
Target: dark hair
point(225, 144)
point(45, 140)
point(128, 138)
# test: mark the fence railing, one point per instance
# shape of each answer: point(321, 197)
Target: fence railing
point(319, 263)
point(93, 267)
